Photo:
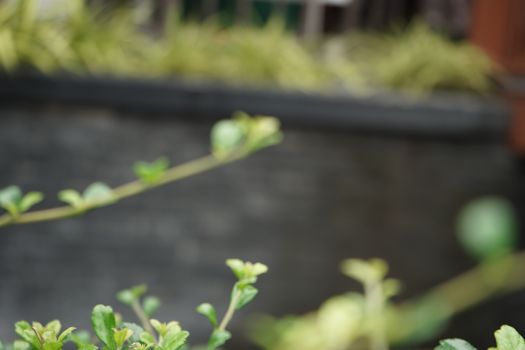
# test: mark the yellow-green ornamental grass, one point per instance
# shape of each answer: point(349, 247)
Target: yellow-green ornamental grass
point(78, 39)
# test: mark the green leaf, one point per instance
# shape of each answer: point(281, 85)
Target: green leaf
point(208, 310)
point(365, 271)
point(11, 194)
point(227, 136)
point(507, 338)
point(65, 334)
point(137, 331)
point(10, 198)
point(103, 323)
point(487, 228)
point(247, 294)
point(454, 344)
point(150, 173)
point(25, 331)
point(82, 340)
point(29, 200)
point(53, 326)
point(150, 305)
point(131, 295)
point(147, 339)
point(21, 345)
point(264, 132)
point(72, 198)
point(237, 266)
point(174, 340)
point(121, 336)
point(218, 338)
point(98, 192)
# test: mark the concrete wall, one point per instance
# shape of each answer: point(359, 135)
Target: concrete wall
point(300, 207)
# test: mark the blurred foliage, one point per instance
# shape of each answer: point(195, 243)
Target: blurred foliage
point(418, 60)
point(78, 39)
point(371, 320)
point(113, 333)
point(487, 228)
point(507, 338)
point(231, 139)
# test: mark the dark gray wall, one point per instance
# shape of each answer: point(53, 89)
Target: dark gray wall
point(300, 207)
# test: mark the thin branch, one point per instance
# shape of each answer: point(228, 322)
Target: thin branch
point(124, 191)
point(142, 317)
point(230, 311)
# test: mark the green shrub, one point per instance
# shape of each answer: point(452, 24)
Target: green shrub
point(86, 40)
point(112, 333)
point(420, 60)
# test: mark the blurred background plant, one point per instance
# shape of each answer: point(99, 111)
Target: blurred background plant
point(487, 229)
point(81, 39)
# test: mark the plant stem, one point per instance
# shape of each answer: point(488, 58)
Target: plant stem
point(506, 274)
point(487, 280)
point(127, 190)
point(142, 317)
point(374, 303)
point(230, 311)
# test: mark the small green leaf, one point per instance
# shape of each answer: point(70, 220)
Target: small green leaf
point(98, 192)
point(81, 339)
point(218, 338)
point(227, 136)
point(175, 339)
point(65, 334)
point(11, 194)
point(131, 295)
point(137, 331)
point(25, 331)
point(21, 345)
point(126, 297)
point(365, 271)
point(391, 287)
point(150, 305)
point(264, 132)
point(208, 310)
point(237, 266)
point(29, 200)
point(53, 326)
point(121, 336)
point(247, 294)
point(151, 173)
point(454, 344)
point(487, 228)
point(10, 198)
point(71, 197)
point(103, 323)
point(147, 339)
point(507, 338)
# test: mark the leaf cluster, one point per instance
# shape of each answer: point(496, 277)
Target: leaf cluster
point(242, 293)
point(507, 338)
point(88, 40)
point(113, 333)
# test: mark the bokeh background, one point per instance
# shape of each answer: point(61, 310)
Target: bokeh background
point(371, 166)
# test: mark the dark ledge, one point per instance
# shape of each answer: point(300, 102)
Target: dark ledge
point(454, 115)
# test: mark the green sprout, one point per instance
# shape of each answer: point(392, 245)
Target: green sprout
point(231, 140)
point(39, 337)
point(151, 173)
point(112, 333)
point(243, 292)
point(15, 202)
